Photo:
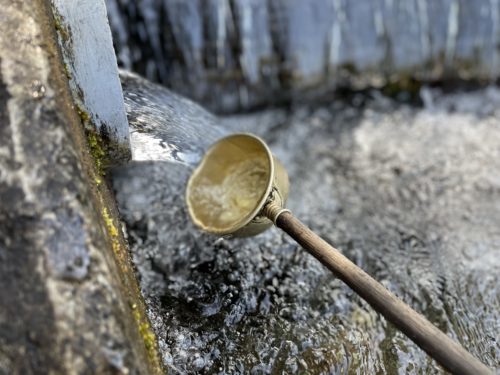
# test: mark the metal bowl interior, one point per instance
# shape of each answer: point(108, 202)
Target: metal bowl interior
point(231, 184)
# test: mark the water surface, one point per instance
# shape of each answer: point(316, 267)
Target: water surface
point(411, 195)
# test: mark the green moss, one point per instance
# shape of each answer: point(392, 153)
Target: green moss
point(60, 27)
point(67, 71)
point(112, 230)
point(97, 152)
point(145, 331)
point(84, 115)
point(404, 84)
point(147, 335)
point(104, 152)
point(114, 235)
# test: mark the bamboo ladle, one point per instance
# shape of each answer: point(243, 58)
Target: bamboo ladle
point(240, 189)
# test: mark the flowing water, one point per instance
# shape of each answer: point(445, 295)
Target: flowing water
point(411, 195)
point(221, 204)
point(158, 119)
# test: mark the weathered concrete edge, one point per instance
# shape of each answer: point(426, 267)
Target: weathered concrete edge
point(85, 198)
point(94, 156)
point(91, 67)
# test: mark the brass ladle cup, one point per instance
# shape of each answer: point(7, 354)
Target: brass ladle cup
point(240, 189)
point(236, 179)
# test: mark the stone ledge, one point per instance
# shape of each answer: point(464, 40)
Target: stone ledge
point(70, 300)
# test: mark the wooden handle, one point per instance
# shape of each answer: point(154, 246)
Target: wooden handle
point(444, 350)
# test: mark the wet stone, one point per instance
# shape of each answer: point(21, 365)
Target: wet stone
point(409, 194)
point(62, 305)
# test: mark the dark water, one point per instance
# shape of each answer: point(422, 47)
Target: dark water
point(411, 195)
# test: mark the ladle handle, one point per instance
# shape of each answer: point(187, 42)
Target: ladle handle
point(444, 350)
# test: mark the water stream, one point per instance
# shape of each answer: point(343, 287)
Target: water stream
point(411, 195)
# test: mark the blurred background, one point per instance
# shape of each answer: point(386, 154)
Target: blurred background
point(236, 55)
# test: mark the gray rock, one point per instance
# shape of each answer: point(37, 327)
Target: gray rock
point(63, 305)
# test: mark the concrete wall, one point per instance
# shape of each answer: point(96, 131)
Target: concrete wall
point(90, 64)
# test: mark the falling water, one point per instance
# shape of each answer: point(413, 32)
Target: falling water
point(164, 125)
